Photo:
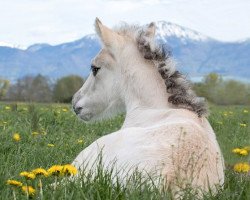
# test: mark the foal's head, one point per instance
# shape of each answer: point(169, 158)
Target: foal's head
point(101, 93)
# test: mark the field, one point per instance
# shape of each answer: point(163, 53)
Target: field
point(51, 135)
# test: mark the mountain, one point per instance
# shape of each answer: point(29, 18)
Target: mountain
point(195, 53)
point(52, 61)
point(167, 30)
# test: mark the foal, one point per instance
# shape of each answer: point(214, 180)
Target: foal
point(165, 132)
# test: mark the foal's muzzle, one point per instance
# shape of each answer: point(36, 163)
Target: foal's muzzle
point(77, 110)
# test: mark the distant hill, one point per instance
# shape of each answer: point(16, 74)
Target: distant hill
point(195, 53)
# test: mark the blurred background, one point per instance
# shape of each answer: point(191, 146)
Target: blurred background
point(46, 46)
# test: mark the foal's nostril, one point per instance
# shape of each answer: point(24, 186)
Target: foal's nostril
point(77, 109)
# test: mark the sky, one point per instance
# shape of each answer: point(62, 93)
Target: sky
point(25, 22)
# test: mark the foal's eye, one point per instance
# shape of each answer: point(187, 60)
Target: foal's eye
point(94, 69)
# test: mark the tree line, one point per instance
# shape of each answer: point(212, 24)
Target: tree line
point(41, 89)
point(223, 92)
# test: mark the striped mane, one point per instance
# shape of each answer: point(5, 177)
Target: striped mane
point(179, 88)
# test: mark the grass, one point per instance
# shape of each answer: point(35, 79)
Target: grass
point(58, 126)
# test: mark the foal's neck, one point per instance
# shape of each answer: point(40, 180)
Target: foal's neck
point(144, 117)
point(145, 96)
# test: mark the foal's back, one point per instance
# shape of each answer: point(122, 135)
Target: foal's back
point(181, 148)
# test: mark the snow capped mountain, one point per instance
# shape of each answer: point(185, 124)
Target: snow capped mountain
point(167, 29)
point(195, 53)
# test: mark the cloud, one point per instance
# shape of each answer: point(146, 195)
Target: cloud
point(26, 22)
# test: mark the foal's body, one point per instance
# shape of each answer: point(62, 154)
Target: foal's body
point(162, 147)
point(164, 133)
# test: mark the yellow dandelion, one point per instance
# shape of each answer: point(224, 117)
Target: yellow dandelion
point(242, 167)
point(50, 145)
point(243, 152)
point(69, 170)
point(243, 125)
point(28, 175)
point(65, 110)
point(29, 190)
point(79, 141)
point(24, 173)
point(34, 133)
point(14, 183)
point(237, 167)
point(16, 137)
point(7, 107)
point(55, 170)
point(40, 171)
point(245, 111)
point(236, 150)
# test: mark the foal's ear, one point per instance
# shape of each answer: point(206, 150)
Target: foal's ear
point(109, 37)
point(150, 30)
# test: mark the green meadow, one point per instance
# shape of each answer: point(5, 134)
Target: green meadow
point(50, 134)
